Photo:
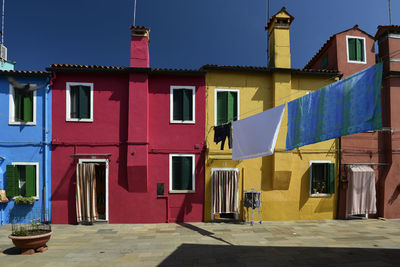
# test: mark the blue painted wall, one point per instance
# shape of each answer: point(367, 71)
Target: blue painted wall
point(26, 143)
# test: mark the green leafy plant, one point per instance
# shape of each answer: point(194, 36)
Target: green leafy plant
point(21, 231)
point(24, 200)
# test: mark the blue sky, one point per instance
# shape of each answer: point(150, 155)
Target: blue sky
point(184, 33)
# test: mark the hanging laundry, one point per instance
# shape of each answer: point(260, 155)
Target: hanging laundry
point(255, 136)
point(349, 106)
point(221, 132)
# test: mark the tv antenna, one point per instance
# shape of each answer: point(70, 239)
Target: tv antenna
point(134, 14)
point(2, 23)
point(390, 15)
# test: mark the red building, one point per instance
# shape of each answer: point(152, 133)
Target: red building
point(388, 186)
point(349, 52)
point(142, 130)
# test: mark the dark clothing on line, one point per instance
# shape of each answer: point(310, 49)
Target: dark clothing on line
point(221, 132)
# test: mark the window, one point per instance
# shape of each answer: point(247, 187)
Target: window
point(322, 178)
point(80, 102)
point(181, 173)
point(182, 104)
point(356, 49)
point(22, 179)
point(22, 107)
point(226, 106)
point(324, 61)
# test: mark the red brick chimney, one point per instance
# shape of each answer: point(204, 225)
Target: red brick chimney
point(140, 39)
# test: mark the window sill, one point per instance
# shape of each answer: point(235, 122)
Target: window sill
point(30, 123)
point(79, 120)
point(320, 195)
point(182, 122)
point(181, 191)
point(36, 198)
point(357, 62)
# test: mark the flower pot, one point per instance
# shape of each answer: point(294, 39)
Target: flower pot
point(31, 244)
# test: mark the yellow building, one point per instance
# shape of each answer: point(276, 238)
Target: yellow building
point(289, 189)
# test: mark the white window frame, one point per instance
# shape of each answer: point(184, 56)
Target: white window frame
point(347, 49)
point(106, 162)
point(37, 174)
point(193, 156)
point(215, 102)
point(171, 117)
point(310, 179)
point(11, 119)
point(68, 101)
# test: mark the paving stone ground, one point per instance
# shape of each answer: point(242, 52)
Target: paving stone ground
point(296, 243)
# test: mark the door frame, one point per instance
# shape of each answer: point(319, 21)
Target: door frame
point(212, 189)
point(106, 182)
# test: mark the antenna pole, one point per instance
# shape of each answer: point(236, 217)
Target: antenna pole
point(390, 15)
point(134, 14)
point(267, 34)
point(2, 24)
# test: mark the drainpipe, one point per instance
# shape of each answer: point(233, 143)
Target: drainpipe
point(45, 146)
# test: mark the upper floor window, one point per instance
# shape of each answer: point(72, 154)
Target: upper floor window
point(322, 178)
point(356, 49)
point(182, 104)
point(80, 102)
point(22, 179)
point(226, 105)
point(324, 61)
point(22, 107)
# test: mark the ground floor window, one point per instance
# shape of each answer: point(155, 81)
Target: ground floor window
point(181, 173)
point(322, 178)
point(22, 179)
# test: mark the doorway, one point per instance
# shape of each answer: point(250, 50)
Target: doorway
point(224, 194)
point(101, 190)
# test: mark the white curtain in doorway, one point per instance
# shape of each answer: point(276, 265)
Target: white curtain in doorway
point(86, 204)
point(225, 191)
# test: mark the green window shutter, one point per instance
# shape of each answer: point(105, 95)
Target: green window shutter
point(176, 173)
point(30, 184)
point(18, 106)
point(232, 106)
point(324, 62)
point(84, 102)
point(74, 95)
point(222, 107)
point(187, 104)
point(186, 173)
point(331, 179)
point(12, 181)
point(360, 49)
point(352, 48)
point(28, 107)
point(178, 104)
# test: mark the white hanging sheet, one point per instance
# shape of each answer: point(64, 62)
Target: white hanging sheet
point(255, 136)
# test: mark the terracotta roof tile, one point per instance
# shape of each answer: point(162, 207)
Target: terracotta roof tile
point(24, 72)
point(267, 69)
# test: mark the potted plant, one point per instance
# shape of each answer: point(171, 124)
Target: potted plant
point(24, 200)
point(31, 238)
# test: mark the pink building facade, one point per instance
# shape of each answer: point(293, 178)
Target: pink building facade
point(143, 129)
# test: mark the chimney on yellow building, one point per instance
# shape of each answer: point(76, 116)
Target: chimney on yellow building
point(278, 28)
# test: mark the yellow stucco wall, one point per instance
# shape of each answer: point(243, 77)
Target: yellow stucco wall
point(284, 176)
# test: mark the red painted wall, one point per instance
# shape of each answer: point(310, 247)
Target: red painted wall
point(356, 148)
point(108, 134)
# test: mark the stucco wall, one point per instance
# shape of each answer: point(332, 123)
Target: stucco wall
point(26, 143)
point(290, 201)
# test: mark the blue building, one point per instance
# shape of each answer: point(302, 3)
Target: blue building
point(25, 138)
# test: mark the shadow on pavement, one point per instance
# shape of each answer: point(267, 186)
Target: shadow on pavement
point(223, 255)
point(203, 232)
point(12, 251)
